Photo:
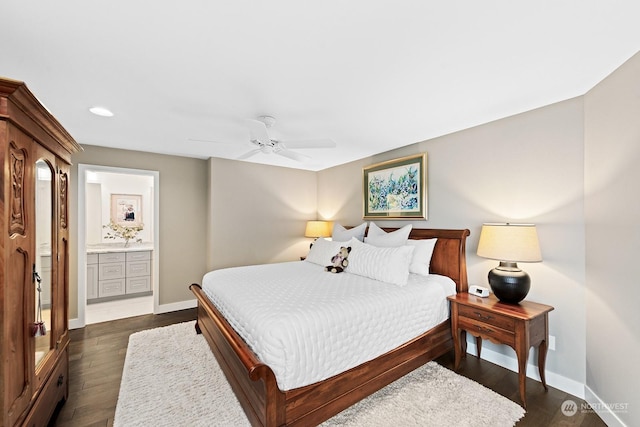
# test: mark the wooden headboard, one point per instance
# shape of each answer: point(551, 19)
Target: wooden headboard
point(449, 256)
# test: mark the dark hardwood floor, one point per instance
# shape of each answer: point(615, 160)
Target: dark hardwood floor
point(97, 355)
point(96, 358)
point(543, 407)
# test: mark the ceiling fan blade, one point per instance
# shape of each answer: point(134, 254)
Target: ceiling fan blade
point(292, 155)
point(206, 140)
point(258, 131)
point(249, 154)
point(309, 143)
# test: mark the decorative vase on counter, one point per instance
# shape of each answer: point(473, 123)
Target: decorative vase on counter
point(126, 232)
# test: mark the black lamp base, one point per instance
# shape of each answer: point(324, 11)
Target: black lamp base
point(509, 283)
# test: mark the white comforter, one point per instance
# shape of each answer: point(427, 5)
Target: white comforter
point(309, 325)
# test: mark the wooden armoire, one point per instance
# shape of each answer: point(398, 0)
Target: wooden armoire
point(34, 257)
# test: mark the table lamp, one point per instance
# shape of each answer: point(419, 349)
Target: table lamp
point(509, 244)
point(318, 229)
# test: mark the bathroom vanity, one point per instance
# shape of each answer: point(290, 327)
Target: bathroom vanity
point(117, 272)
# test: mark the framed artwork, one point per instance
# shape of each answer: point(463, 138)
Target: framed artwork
point(126, 209)
point(396, 189)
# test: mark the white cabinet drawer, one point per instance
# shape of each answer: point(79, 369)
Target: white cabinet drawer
point(112, 270)
point(92, 281)
point(137, 269)
point(116, 275)
point(138, 284)
point(109, 288)
point(111, 257)
point(138, 256)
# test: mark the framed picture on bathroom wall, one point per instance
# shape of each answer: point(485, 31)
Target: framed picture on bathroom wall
point(126, 209)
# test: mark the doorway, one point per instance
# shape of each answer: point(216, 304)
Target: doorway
point(118, 251)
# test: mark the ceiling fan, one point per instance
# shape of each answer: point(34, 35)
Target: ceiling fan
point(259, 136)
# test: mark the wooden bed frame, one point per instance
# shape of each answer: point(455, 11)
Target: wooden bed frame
point(254, 383)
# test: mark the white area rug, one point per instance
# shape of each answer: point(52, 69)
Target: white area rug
point(171, 378)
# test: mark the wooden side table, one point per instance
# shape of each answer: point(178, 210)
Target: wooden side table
point(520, 326)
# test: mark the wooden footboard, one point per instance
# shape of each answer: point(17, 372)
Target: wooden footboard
point(266, 405)
point(318, 402)
point(254, 383)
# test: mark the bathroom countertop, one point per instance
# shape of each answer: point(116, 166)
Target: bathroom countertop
point(119, 247)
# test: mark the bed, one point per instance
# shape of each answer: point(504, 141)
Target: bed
point(256, 385)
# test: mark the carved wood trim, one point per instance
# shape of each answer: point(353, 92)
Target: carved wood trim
point(19, 381)
point(24, 110)
point(64, 183)
point(16, 172)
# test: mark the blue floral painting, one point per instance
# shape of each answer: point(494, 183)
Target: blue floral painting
point(395, 189)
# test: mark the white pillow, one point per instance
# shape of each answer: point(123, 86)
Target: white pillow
point(323, 250)
point(389, 265)
point(374, 230)
point(378, 237)
point(341, 234)
point(422, 254)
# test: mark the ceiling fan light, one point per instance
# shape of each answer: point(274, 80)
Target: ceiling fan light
point(267, 120)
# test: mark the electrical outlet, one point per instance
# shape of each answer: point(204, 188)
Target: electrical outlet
point(552, 342)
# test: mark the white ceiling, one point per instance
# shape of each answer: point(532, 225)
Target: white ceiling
point(371, 75)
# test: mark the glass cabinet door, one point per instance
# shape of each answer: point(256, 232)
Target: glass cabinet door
point(42, 271)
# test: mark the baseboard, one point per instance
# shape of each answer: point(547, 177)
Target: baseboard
point(176, 306)
point(163, 308)
point(76, 324)
point(565, 384)
point(606, 411)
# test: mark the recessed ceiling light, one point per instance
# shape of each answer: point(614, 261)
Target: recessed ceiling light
point(101, 111)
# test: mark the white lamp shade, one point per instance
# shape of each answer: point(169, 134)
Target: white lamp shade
point(509, 242)
point(318, 229)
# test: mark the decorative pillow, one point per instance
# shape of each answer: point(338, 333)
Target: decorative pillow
point(378, 237)
point(374, 230)
point(322, 251)
point(422, 254)
point(341, 234)
point(389, 265)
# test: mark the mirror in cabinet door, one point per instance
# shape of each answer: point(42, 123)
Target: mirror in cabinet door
point(43, 267)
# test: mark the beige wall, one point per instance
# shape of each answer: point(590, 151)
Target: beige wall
point(258, 213)
point(612, 177)
point(183, 213)
point(524, 168)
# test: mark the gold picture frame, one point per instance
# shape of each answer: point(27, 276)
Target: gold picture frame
point(396, 189)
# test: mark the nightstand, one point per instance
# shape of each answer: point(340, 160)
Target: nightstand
point(520, 326)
